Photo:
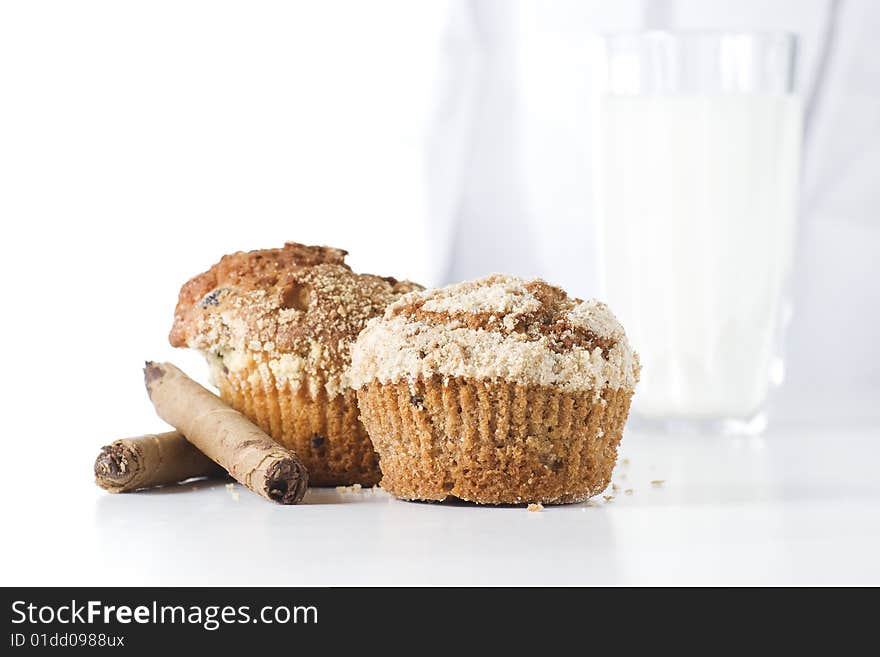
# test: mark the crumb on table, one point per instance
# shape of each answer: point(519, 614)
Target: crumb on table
point(535, 507)
point(658, 482)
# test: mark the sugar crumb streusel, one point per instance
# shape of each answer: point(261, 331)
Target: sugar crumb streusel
point(497, 327)
point(296, 310)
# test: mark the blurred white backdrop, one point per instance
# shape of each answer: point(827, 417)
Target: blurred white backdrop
point(435, 140)
point(140, 141)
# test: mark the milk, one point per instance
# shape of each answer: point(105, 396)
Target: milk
point(696, 205)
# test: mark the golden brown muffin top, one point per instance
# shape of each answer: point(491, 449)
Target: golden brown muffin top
point(298, 302)
point(497, 328)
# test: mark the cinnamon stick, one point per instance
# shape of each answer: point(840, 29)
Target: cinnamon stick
point(159, 459)
point(225, 435)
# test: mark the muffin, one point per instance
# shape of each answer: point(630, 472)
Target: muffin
point(276, 327)
point(496, 391)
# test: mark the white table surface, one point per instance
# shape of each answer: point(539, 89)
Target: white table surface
point(799, 505)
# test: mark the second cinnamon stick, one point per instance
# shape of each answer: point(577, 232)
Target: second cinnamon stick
point(159, 459)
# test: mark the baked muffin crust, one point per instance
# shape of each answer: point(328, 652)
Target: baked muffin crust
point(299, 307)
point(497, 328)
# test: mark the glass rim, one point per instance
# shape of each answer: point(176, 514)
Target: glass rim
point(691, 33)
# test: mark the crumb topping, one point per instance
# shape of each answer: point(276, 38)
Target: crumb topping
point(497, 327)
point(296, 309)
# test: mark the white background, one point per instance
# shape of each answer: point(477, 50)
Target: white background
point(436, 141)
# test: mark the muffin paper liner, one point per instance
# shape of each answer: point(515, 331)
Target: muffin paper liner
point(493, 442)
point(325, 432)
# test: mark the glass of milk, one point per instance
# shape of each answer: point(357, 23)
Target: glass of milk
point(697, 165)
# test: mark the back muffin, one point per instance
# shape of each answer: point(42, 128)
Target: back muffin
point(276, 326)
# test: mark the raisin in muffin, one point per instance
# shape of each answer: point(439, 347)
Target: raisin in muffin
point(277, 327)
point(499, 390)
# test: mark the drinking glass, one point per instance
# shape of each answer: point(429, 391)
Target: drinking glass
point(697, 164)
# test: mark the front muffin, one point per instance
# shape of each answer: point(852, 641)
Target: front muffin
point(499, 390)
point(277, 326)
